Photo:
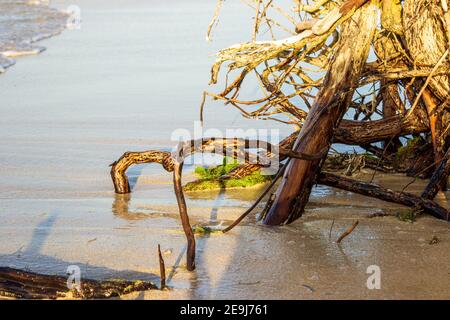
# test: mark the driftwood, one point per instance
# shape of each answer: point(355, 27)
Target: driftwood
point(325, 115)
point(347, 232)
point(162, 269)
point(173, 162)
point(438, 179)
point(373, 190)
point(20, 284)
point(190, 252)
point(320, 79)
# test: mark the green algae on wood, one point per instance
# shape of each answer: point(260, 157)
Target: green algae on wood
point(204, 230)
point(210, 178)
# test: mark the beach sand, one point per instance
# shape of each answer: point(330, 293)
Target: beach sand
point(131, 75)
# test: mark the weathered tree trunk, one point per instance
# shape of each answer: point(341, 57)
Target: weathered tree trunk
point(391, 106)
point(365, 132)
point(331, 103)
point(426, 36)
point(426, 40)
point(391, 20)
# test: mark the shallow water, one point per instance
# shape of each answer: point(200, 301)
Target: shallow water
point(132, 74)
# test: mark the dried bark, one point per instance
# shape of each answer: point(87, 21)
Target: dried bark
point(392, 16)
point(391, 106)
point(426, 40)
point(386, 51)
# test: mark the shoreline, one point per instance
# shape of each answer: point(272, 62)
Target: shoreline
point(23, 43)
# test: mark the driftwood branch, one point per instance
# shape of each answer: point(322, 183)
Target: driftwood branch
point(376, 191)
point(190, 252)
point(347, 232)
point(20, 284)
point(438, 179)
point(162, 269)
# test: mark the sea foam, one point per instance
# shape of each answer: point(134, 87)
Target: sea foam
point(22, 24)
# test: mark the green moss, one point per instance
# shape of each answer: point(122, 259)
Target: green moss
point(201, 230)
point(408, 149)
point(209, 178)
point(409, 215)
point(217, 171)
point(214, 183)
point(204, 230)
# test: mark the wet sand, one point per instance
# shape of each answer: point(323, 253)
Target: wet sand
point(68, 113)
point(299, 261)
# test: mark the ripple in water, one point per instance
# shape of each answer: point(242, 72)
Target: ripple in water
point(24, 22)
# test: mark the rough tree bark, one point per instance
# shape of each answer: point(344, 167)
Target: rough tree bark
point(386, 51)
point(427, 42)
point(435, 119)
point(330, 105)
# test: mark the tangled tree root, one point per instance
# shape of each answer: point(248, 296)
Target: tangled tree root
point(316, 77)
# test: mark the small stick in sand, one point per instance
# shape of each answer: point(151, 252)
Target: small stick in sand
point(331, 229)
point(347, 232)
point(162, 269)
